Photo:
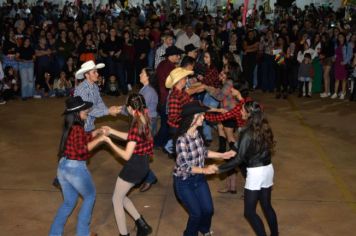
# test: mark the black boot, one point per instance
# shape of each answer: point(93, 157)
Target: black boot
point(143, 228)
point(124, 234)
point(222, 144)
point(232, 145)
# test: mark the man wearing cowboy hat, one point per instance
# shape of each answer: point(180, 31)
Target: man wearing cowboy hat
point(88, 90)
point(165, 67)
point(178, 97)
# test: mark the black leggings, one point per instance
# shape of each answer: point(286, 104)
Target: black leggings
point(264, 197)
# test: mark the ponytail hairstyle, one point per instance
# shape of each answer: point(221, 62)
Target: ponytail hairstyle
point(257, 124)
point(70, 119)
point(140, 114)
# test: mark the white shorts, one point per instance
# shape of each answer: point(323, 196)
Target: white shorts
point(259, 177)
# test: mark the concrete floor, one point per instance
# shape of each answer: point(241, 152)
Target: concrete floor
point(314, 191)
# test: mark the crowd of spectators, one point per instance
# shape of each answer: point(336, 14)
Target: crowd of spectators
point(310, 51)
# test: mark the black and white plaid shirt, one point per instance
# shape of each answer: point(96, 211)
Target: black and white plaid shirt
point(191, 152)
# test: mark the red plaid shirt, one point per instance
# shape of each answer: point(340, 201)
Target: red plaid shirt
point(212, 78)
point(77, 144)
point(177, 99)
point(144, 145)
point(235, 113)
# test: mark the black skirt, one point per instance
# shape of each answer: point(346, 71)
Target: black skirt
point(135, 169)
point(230, 123)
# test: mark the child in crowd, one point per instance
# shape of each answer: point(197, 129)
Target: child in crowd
point(62, 85)
point(45, 88)
point(112, 86)
point(10, 84)
point(305, 73)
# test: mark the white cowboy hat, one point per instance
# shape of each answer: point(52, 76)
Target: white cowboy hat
point(87, 66)
point(176, 75)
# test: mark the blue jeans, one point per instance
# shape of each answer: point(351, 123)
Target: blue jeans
point(75, 179)
point(210, 102)
point(27, 79)
point(194, 193)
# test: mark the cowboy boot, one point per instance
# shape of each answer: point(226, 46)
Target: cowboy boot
point(222, 144)
point(143, 228)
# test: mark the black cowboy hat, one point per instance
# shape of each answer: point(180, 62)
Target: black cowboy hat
point(190, 47)
point(193, 107)
point(173, 50)
point(75, 104)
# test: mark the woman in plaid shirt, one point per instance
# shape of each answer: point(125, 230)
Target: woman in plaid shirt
point(73, 175)
point(189, 173)
point(137, 152)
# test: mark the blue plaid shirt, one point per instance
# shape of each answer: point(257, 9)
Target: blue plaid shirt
point(90, 93)
point(191, 152)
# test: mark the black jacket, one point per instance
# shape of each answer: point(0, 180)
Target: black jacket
point(247, 153)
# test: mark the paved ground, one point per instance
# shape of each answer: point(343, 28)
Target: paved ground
point(314, 192)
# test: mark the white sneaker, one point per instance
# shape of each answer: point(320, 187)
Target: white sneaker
point(129, 87)
point(37, 96)
point(324, 95)
point(342, 96)
point(334, 96)
point(2, 102)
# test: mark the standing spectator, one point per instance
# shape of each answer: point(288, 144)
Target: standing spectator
point(43, 58)
point(280, 53)
point(249, 60)
point(9, 49)
point(142, 48)
point(2, 100)
point(268, 74)
point(26, 57)
point(161, 50)
point(128, 52)
point(188, 37)
point(326, 54)
point(64, 49)
point(343, 55)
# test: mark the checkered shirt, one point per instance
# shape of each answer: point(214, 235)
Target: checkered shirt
point(235, 113)
point(144, 145)
point(191, 152)
point(176, 100)
point(76, 147)
point(211, 78)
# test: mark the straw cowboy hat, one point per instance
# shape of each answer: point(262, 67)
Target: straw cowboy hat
point(176, 75)
point(87, 66)
point(75, 104)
